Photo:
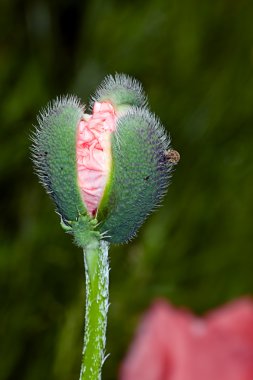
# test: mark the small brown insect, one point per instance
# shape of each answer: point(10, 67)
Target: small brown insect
point(172, 156)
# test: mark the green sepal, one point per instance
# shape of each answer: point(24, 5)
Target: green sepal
point(140, 175)
point(122, 91)
point(54, 155)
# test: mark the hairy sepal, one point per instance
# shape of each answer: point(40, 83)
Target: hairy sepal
point(140, 174)
point(122, 91)
point(54, 156)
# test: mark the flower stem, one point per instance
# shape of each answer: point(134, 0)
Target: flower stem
point(97, 294)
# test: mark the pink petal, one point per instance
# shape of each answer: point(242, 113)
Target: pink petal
point(93, 153)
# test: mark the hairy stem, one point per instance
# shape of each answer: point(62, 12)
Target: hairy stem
point(97, 284)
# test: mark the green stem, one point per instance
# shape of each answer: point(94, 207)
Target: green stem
point(97, 284)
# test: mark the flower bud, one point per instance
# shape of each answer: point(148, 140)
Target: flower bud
point(107, 170)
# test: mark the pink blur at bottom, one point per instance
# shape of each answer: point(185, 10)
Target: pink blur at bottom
point(93, 153)
point(173, 344)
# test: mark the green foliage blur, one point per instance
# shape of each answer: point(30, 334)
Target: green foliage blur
point(195, 60)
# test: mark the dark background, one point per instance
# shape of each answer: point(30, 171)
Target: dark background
point(195, 60)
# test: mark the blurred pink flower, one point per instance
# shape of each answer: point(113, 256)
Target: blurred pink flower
point(173, 344)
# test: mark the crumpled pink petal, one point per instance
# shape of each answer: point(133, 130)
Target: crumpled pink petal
point(93, 153)
point(173, 344)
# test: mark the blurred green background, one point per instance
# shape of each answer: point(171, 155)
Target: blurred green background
point(195, 60)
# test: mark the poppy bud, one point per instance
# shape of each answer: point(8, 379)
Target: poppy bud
point(107, 170)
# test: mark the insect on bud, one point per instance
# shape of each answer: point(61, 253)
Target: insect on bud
point(172, 156)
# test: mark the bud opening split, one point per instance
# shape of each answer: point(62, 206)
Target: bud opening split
point(93, 149)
